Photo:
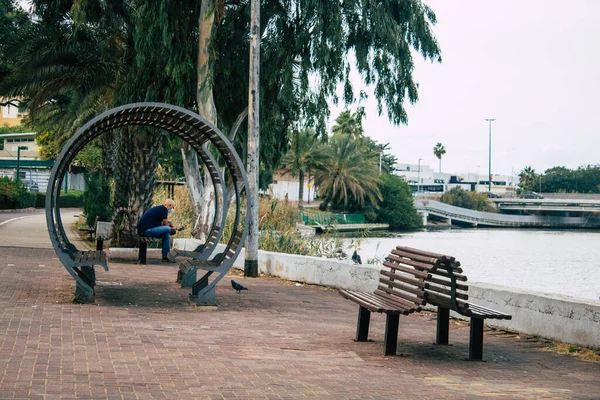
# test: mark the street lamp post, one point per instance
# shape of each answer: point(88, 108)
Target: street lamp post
point(419, 177)
point(19, 161)
point(490, 155)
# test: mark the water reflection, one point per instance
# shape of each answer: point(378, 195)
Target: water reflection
point(551, 261)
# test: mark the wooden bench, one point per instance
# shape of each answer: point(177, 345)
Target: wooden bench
point(90, 230)
point(142, 243)
point(446, 288)
point(80, 264)
point(400, 291)
point(220, 264)
point(412, 278)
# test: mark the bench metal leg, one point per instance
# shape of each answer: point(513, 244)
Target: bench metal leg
point(187, 278)
point(84, 293)
point(391, 334)
point(142, 252)
point(203, 298)
point(99, 244)
point(362, 327)
point(476, 339)
point(443, 325)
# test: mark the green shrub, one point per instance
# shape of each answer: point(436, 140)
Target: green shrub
point(71, 199)
point(96, 198)
point(40, 200)
point(473, 201)
point(14, 194)
point(397, 208)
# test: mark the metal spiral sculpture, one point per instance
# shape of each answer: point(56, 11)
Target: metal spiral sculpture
point(198, 133)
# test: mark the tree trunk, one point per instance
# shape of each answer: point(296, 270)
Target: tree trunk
point(193, 179)
point(251, 262)
point(135, 177)
point(123, 168)
point(301, 189)
point(206, 108)
point(147, 146)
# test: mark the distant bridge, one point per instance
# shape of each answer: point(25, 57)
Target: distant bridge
point(452, 214)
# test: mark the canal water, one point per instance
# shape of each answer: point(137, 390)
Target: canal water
point(548, 261)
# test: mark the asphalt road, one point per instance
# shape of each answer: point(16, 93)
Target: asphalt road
point(28, 228)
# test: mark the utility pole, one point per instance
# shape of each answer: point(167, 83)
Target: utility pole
point(419, 177)
point(18, 179)
point(251, 261)
point(490, 155)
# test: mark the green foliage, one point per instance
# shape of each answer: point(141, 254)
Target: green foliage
point(527, 179)
point(348, 123)
point(14, 194)
point(349, 176)
point(96, 198)
point(439, 151)
point(397, 207)
point(71, 199)
point(471, 200)
point(11, 129)
point(585, 179)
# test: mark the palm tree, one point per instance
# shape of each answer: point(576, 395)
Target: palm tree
point(306, 153)
point(527, 178)
point(350, 124)
point(348, 175)
point(439, 151)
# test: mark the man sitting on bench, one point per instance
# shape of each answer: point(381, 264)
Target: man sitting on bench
point(155, 223)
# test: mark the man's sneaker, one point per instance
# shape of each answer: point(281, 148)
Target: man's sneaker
point(165, 259)
point(173, 231)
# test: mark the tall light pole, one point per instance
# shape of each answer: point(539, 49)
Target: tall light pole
point(490, 156)
point(419, 177)
point(19, 161)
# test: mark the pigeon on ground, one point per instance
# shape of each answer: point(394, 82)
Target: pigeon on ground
point(237, 286)
point(356, 258)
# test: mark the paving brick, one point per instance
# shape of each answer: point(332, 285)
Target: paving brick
point(143, 339)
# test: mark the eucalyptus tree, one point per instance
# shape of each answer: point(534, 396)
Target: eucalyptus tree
point(305, 55)
point(306, 154)
point(380, 152)
point(439, 151)
point(348, 175)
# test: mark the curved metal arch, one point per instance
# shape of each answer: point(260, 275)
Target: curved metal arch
point(185, 124)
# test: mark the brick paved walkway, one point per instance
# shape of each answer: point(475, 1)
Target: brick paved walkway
point(143, 339)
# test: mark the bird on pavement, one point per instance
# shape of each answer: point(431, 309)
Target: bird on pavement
point(237, 286)
point(356, 258)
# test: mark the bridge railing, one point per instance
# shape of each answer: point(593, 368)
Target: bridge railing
point(482, 217)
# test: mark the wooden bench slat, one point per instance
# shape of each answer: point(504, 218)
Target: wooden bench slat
point(406, 279)
point(421, 274)
point(411, 263)
point(414, 257)
point(438, 289)
point(357, 298)
point(399, 304)
point(424, 253)
point(399, 296)
point(401, 286)
point(387, 303)
point(459, 286)
point(444, 273)
point(488, 312)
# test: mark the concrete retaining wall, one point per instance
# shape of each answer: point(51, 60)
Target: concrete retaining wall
point(567, 319)
point(553, 316)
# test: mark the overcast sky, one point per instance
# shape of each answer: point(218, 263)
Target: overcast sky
point(533, 65)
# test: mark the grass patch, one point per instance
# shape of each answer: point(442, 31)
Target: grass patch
point(582, 353)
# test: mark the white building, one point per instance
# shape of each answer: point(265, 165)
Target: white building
point(423, 178)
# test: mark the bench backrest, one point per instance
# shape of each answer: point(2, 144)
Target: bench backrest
point(103, 229)
point(446, 285)
point(402, 278)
